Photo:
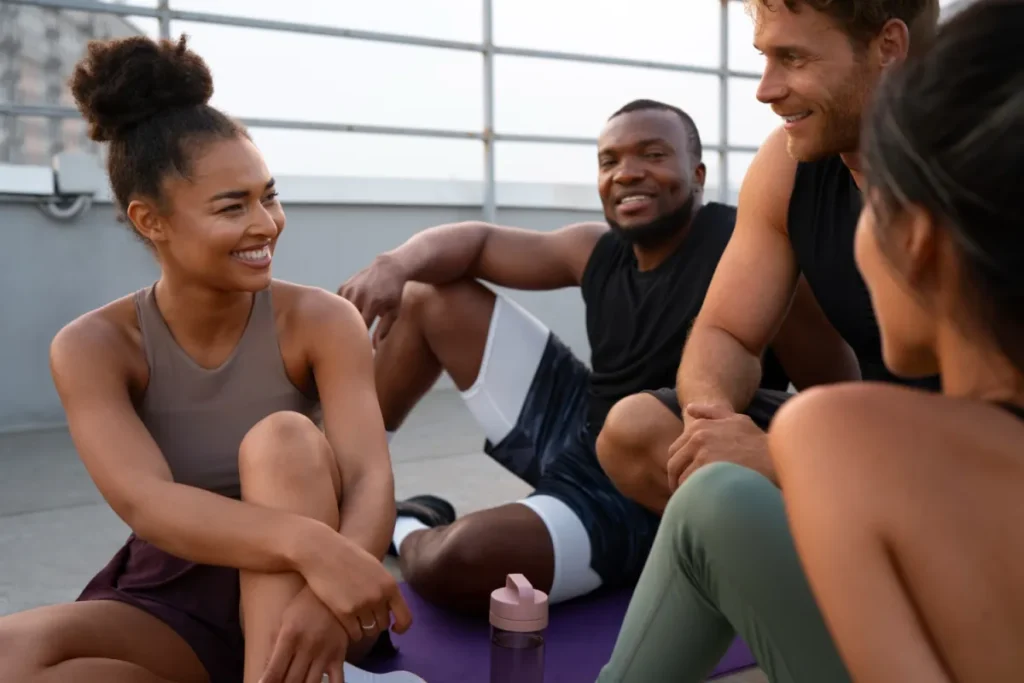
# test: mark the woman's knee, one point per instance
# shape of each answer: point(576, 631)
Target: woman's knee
point(286, 446)
point(722, 506)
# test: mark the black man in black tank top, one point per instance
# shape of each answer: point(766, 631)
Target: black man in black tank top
point(642, 278)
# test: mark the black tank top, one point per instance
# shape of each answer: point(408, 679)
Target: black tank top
point(823, 214)
point(637, 322)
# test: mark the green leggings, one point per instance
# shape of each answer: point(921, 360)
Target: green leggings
point(723, 562)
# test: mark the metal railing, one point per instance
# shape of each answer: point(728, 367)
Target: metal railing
point(165, 14)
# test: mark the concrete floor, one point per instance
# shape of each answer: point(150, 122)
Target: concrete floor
point(56, 531)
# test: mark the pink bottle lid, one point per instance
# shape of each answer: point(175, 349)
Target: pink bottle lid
point(519, 607)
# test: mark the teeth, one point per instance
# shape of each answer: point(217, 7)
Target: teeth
point(254, 254)
point(633, 198)
point(797, 117)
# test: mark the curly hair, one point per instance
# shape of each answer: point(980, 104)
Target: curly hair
point(148, 99)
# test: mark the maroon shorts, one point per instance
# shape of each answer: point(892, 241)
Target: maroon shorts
point(200, 602)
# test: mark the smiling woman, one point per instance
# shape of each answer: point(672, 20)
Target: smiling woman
point(193, 404)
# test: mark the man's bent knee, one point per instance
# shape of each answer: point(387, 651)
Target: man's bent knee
point(637, 428)
point(285, 444)
point(428, 304)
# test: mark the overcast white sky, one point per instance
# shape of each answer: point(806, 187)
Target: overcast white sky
point(281, 75)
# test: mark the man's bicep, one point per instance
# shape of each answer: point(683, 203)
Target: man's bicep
point(755, 279)
point(537, 260)
point(752, 287)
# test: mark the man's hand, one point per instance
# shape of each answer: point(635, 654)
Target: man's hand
point(377, 292)
point(310, 643)
point(713, 434)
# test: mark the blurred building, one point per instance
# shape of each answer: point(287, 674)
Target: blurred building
point(38, 50)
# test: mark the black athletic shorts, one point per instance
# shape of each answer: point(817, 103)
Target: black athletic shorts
point(552, 449)
point(762, 408)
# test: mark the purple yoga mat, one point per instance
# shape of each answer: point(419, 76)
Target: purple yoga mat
point(445, 648)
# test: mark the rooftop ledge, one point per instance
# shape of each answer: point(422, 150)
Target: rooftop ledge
point(71, 176)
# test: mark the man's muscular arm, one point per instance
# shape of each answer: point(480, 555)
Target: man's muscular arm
point(750, 293)
point(508, 257)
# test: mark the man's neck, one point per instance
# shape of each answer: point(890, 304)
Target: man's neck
point(852, 161)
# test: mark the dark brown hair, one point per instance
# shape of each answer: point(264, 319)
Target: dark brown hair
point(862, 20)
point(148, 99)
point(946, 133)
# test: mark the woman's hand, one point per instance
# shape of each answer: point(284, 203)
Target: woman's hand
point(309, 643)
point(354, 585)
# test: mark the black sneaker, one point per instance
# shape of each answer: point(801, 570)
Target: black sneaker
point(430, 510)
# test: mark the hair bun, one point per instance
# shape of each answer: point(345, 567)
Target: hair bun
point(122, 82)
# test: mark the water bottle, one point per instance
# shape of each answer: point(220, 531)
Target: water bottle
point(519, 617)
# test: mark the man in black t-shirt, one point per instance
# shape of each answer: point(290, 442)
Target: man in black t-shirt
point(642, 275)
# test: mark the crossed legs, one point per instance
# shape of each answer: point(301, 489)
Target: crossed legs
point(285, 463)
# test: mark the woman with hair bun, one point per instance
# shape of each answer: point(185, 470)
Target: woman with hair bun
point(906, 507)
point(194, 404)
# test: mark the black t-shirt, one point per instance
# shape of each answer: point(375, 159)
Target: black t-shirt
point(823, 214)
point(637, 322)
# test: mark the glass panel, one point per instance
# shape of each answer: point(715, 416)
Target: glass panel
point(712, 177)
point(750, 121)
point(742, 55)
point(269, 74)
point(146, 26)
point(530, 162)
point(460, 20)
point(540, 96)
point(676, 31)
point(318, 153)
point(738, 164)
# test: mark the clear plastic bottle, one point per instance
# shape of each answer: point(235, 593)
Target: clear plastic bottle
point(519, 618)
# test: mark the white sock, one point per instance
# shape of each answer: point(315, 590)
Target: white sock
point(404, 526)
point(356, 675)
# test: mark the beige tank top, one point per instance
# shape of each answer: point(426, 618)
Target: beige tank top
point(198, 416)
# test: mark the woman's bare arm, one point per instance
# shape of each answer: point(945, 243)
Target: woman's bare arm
point(342, 360)
point(825, 444)
point(90, 368)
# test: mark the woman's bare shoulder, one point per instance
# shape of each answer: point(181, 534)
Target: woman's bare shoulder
point(305, 303)
point(114, 326)
point(870, 417)
point(108, 337)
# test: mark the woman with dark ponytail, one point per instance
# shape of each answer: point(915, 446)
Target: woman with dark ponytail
point(195, 405)
point(907, 507)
